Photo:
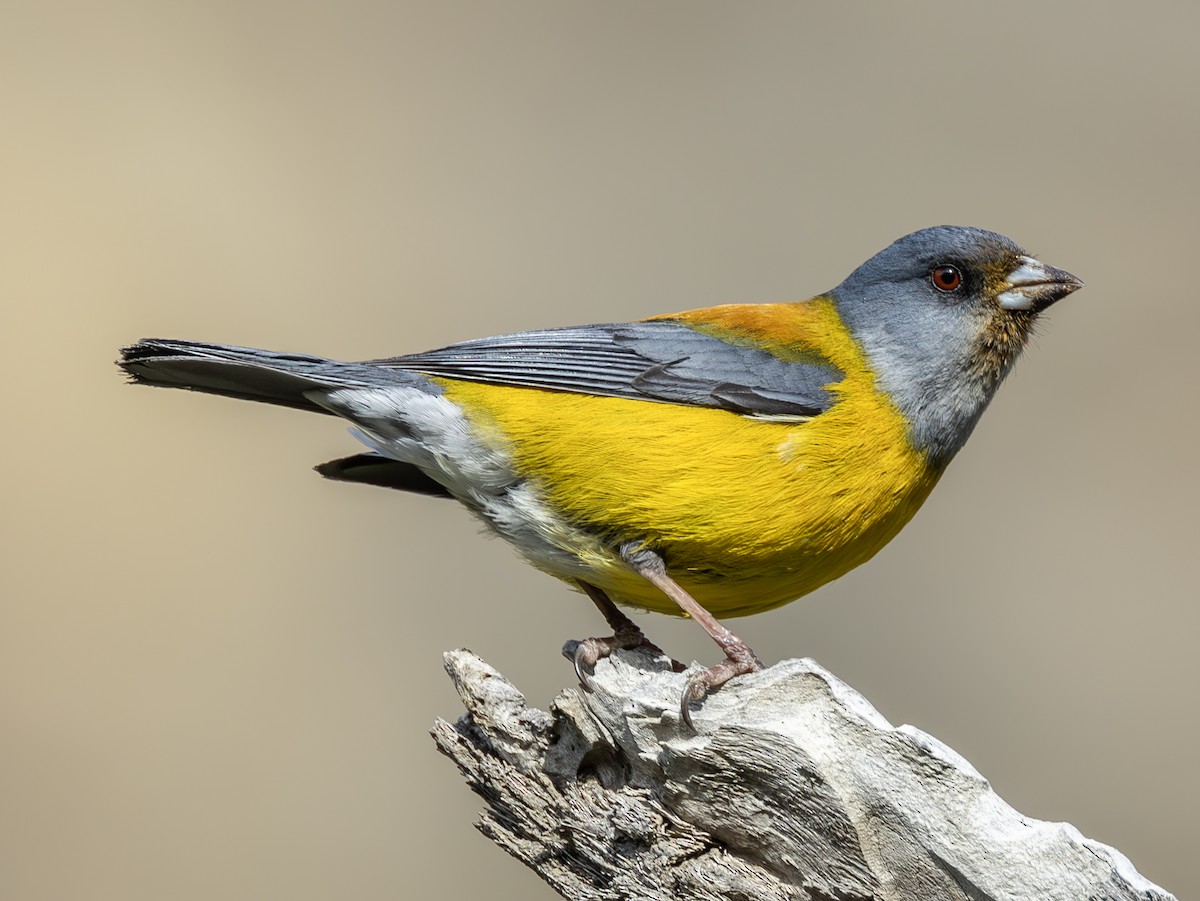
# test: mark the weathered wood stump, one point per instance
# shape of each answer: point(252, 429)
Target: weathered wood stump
point(793, 787)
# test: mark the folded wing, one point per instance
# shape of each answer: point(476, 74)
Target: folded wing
point(659, 360)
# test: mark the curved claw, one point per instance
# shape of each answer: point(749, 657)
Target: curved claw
point(696, 691)
point(586, 654)
point(591, 651)
point(741, 660)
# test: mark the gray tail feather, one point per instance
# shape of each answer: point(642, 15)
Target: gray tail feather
point(248, 373)
point(376, 469)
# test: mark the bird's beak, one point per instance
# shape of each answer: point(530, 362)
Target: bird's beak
point(1033, 285)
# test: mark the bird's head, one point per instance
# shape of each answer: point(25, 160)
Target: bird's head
point(942, 314)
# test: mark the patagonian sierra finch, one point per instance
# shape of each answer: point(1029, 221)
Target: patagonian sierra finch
point(711, 463)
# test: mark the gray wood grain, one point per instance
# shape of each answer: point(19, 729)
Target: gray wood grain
point(793, 787)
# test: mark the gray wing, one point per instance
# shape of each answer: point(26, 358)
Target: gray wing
point(658, 360)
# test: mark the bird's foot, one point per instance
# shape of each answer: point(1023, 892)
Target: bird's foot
point(739, 660)
point(591, 651)
point(626, 635)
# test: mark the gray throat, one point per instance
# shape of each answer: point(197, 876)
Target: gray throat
point(925, 362)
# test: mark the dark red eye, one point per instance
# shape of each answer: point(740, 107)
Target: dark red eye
point(946, 278)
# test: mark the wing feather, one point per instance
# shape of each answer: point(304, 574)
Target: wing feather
point(658, 360)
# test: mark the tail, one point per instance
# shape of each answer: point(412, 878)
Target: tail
point(376, 469)
point(290, 380)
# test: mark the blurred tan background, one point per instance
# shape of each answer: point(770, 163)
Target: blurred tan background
point(217, 670)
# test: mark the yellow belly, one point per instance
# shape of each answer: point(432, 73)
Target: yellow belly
point(748, 514)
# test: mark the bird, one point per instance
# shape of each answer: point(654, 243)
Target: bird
point(711, 463)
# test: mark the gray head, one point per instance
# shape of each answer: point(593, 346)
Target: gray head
point(943, 314)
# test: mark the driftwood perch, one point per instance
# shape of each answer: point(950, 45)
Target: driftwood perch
point(793, 787)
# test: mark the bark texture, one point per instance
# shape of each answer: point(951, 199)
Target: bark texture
point(792, 787)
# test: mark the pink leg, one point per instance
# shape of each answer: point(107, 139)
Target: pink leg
point(626, 634)
point(739, 659)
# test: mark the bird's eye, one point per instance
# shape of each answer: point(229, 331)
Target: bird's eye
point(946, 278)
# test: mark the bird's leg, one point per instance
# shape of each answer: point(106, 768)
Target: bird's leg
point(626, 634)
point(739, 659)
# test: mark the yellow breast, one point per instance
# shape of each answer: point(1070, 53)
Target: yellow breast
point(747, 513)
